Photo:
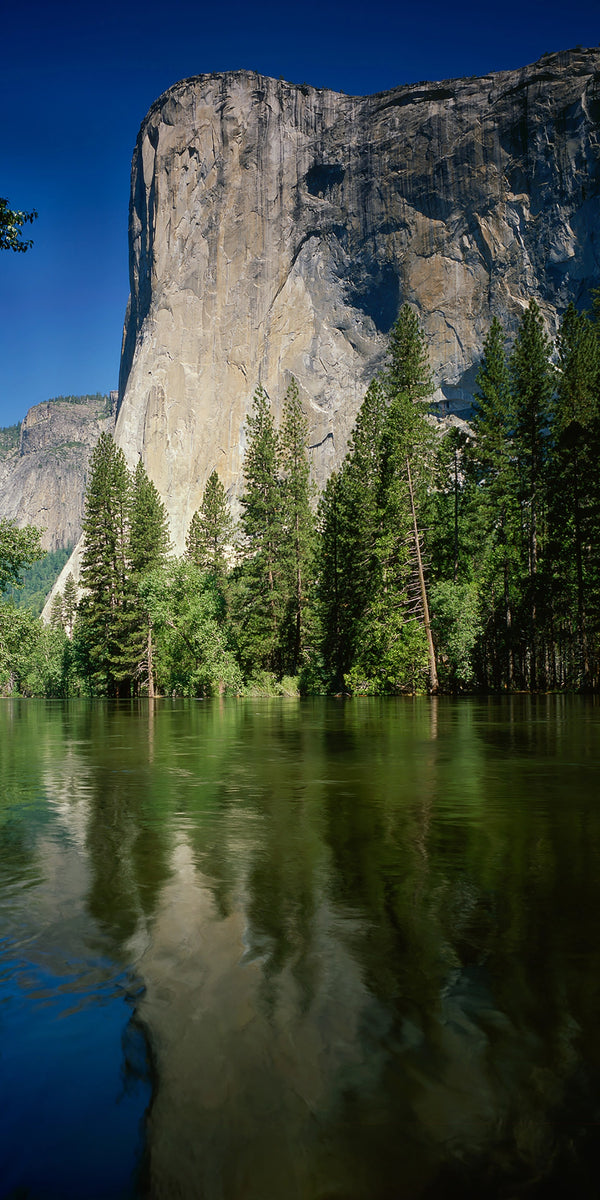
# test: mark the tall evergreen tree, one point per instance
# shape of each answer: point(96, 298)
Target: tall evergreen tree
point(57, 612)
point(106, 617)
point(349, 526)
point(259, 593)
point(399, 607)
point(533, 384)
point(332, 583)
point(392, 651)
point(211, 530)
point(375, 603)
point(408, 369)
point(149, 546)
point(493, 506)
point(574, 498)
point(299, 528)
point(69, 604)
point(492, 412)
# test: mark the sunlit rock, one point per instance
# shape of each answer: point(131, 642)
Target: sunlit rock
point(275, 230)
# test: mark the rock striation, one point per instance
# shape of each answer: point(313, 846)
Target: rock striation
point(43, 465)
point(276, 229)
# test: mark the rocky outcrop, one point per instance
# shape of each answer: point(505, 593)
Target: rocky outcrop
point(275, 230)
point(43, 465)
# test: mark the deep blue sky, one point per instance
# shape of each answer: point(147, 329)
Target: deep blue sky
point(76, 82)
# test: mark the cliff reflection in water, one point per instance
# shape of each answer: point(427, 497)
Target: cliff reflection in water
point(365, 936)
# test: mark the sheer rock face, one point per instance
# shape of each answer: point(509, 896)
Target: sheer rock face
point(275, 230)
point(43, 477)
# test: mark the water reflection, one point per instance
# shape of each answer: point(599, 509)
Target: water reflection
point(74, 1081)
point(364, 932)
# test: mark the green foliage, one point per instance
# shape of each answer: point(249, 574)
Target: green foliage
point(506, 514)
point(107, 622)
point(57, 612)
point(258, 587)
point(211, 530)
point(19, 548)
point(451, 539)
point(408, 369)
point(125, 538)
point(11, 227)
point(457, 629)
point(333, 587)
point(149, 542)
point(392, 658)
point(9, 439)
point(20, 634)
point(69, 604)
point(492, 416)
point(298, 531)
point(528, 517)
point(574, 496)
point(368, 594)
point(99, 397)
point(35, 660)
point(370, 602)
point(265, 683)
point(195, 647)
point(533, 381)
point(491, 510)
point(38, 580)
point(149, 547)
point(348, 521)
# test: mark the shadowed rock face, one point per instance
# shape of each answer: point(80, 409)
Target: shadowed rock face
point(275, 230)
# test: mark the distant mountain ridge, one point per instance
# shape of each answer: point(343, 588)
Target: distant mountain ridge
point(43, 464)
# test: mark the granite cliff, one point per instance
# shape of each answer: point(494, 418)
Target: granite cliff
point(275, 230)
point(43, 465)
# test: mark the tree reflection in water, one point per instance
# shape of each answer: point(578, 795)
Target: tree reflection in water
point(364, 933)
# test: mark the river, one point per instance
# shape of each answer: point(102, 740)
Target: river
point(299, 950)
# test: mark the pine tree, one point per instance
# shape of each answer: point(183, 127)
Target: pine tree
point(533, 384)
point(106, 614)
point(349, 526)
point(373, 603)
point(391, 649)
point(396, 636)
point(69, 604)
point(574, 496)
point(194, 544)
point(299, 528)
point(211, 530)
point(332, 583)
point(57, 612)
point(492, 505)
point(408, 369)
point(259, 594)
point(409, 381)
point(492, 411)
point(149, 545)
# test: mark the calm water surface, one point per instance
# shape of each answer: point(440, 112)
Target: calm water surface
point(268, 950)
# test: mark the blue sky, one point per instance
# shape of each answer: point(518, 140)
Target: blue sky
point(76, 82)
